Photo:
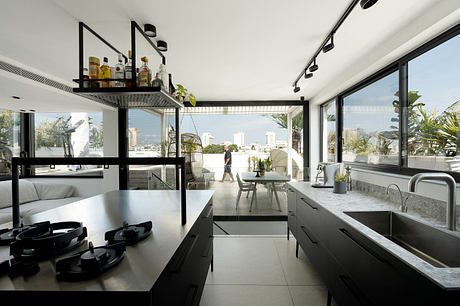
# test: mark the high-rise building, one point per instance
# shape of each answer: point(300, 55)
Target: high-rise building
point(270, 138)
point(135, 137)
point(238, 139)
point(207, 139)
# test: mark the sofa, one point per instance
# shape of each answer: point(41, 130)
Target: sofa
point(34, 197)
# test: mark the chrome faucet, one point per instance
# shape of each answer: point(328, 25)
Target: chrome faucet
point(451, 218)
point(403, 206)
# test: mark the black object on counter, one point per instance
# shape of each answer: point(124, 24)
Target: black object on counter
point(9, 235)
point(90, 263)
point(46, 240)
point(17, 267)
point(130, 234)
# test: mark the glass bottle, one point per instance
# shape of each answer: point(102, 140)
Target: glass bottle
point(157, 82)
point(163, 75)
point(128, 70)
point(94, 71)
point(119, 72)
point(144, 73)
point(106, 73)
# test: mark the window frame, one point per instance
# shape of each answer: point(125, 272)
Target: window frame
point(322, 124)
point(401, 66)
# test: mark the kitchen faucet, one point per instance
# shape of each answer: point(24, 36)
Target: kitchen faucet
point(403, 206)
point(451, 218)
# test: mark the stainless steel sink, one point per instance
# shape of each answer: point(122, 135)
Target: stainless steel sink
point(439, 248)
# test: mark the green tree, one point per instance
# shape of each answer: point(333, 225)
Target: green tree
point(48, 133)
point(213, 149)
point(233, 148)
point(7, 124)
point(297, 126)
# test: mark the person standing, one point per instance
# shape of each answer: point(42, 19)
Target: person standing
point(227, 164)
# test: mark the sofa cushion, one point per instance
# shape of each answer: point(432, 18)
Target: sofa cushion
point(27, 193)
point(53, 191)
point(42, 205)
point(6, 216)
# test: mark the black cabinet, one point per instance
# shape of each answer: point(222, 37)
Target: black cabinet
point(356, 270)
point(182, 281)
point(291, 200)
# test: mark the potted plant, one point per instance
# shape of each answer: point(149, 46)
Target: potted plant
point(340, 182)
point(261, 167)
point(268, 164)
point(182, 93)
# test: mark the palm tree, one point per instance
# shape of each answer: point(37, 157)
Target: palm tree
point(297, 126)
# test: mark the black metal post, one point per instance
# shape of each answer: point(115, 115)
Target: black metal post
point(123, 173)
point(27, 140)
point(177, 114)
point(306, 139)
point(133, 54)
point(182, 193)
point(403, 115)
point(80, 54)
point(15, 193)
point(339, 128)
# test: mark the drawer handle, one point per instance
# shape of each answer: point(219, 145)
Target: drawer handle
point(191, 295)
point(291, 190)
point(184, 256)
point(208, 214)
point(309, 238)
point(305, 201)
point(362, 246)
point(208, 246)
point(348, 282)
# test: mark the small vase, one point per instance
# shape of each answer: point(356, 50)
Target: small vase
point(340, 187)
point(262, 172)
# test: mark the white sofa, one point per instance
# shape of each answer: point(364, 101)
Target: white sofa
point(34, 197)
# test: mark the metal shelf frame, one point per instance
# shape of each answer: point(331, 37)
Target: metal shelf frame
point(122, 162)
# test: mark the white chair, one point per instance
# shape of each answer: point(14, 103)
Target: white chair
point(244, 187)
point(279, 187)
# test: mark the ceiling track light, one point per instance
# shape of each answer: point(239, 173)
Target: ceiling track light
point(307, 75)
point(162, 45)
point(314, 67)
point(330, 45)
point(365, 4)
point(296, 88)
point(150, 30)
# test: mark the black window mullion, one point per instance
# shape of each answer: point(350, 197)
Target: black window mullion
point(321, 131)
point(403, 116)
point(339, 127)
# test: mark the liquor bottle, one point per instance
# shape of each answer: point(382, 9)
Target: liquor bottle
point(128, 70)
point(106, 73)
point(164, 77)
point(157, 82)
point(119, 72)
point(144, 73)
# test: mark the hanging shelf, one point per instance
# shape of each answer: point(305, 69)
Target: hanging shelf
point(125, 97)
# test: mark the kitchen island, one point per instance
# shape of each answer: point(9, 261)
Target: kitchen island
point(167, 268)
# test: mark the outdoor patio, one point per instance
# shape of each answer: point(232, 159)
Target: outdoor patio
point(225, 200)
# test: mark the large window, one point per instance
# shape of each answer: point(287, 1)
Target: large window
point(369, 115)
point(68, 135)
point(375, 122)
point(9, 140)
point(329, 132)
point(144, 133)
point(434, 106)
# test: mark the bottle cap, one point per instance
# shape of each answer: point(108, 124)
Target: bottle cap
point(94, 60)
point(144, 59)
point(106, 60)
point(120, 57)
point(130, 54)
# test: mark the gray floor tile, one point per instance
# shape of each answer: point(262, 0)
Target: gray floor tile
point(298, 271)
point(243, 295)
point(309, 295)
point(246, 261)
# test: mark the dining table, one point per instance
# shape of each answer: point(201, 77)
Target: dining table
point(269, 178)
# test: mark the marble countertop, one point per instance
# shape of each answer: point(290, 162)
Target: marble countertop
point(356, 201)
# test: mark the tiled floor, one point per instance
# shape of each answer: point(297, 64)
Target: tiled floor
point(261, 271)
point(225, 199)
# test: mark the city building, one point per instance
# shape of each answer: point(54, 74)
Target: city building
point(135, 137)
point(270, 138)
point(207, 139)
point(238, 139)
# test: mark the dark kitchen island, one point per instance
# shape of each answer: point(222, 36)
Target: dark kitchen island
point(167, 268)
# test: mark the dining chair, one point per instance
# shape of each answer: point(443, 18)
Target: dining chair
point(279, 187)
point(242, 188)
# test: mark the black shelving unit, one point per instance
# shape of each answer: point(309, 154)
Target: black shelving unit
point(124, 97)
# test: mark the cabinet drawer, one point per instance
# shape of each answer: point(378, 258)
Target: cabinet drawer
point(309, 215)
point(313, 249)
point(292, 222)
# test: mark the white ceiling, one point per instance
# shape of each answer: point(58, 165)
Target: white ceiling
point(226, 50)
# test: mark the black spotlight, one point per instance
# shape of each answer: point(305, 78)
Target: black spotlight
point(365, 4)
point(308, 75)
point(330, 45)
point(296, 88)
point(150, 30)
point(314, 67)
point(162, 45)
